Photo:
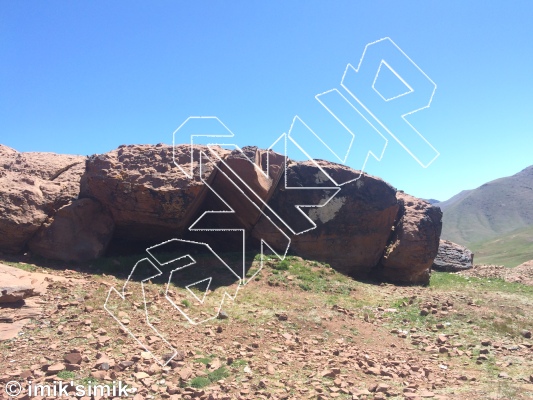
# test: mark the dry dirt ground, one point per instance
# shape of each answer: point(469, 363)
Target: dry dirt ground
point(298, 331)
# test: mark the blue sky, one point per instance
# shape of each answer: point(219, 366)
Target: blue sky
point(84, 77)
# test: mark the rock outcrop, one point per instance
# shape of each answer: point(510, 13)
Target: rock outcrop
point(70, 208)
point(414, 242)
point(452, 257)
point(351, 230)
point(79, 231)
point(148, 196)
point(33, 186)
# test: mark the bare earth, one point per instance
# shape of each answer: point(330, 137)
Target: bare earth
point(302, 333)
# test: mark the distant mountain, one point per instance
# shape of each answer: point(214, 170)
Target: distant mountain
point(459, 196)
point(493, 209)
point(432, 201)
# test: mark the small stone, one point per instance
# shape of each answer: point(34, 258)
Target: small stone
point(503, 375)
point(525, 333)
point(185, 373)
point(54, 369)
point(282, 316)
point(382, 388)
point(125, 364)
point(101, 375)
point(424, 312)
point(222, 315)
point(486, 342)
point(73, 358)
point(140, 375)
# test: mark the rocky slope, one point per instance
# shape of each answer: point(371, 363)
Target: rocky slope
point(71, 208)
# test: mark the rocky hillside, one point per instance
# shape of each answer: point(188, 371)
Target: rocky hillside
point(493, 209)
point(74, 208)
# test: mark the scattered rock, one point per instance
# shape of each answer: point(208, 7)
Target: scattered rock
point(12, 292)
point(452, 257)
point(73, 358)
point(54, 369)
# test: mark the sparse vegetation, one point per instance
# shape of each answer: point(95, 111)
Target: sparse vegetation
point(304, 312)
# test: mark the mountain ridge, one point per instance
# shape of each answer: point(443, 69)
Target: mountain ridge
point(494, 208)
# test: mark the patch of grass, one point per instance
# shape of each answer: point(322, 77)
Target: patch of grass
point(205, 360)
point(239, 363)
point(186, 303)
point(66, 374)
point(21, 265)
point(199, 382)
point(277, 280)
point(89, 380)
point(283, 265)
point(446, 280)
point(218, 374)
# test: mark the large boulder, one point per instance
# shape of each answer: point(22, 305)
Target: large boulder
point(453, 257)
point(33, 186)
point(414, 242)
point(351, 230)
point(149, 197)
point(244, 182)
point(79, 231)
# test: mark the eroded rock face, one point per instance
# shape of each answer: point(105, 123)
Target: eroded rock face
point(352, 229)
point(244, 184)
point(149, 197)
point(33, 186)
point(79, 231)
point(453, 257)
point(137, 193)
point(414, 242)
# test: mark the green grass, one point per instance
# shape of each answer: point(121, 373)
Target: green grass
point(283, 265)
point(21, 265)
point(310, 276)
point(200, 382)
point(511, 249)
point(446, 280)
point(239, 363)
point(67, 375)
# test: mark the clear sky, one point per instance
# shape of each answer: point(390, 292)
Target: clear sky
point(84, 77)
